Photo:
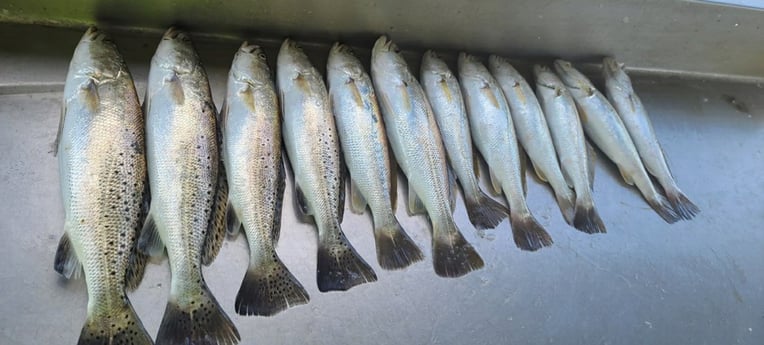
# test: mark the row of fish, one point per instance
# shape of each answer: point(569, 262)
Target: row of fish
point(215, 173)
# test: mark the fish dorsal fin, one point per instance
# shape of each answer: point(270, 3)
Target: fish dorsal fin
point(415, 205)
point(393, 181)
point(136, 265)
point(232, 221)
point(149, 242)
point(66, 263)
point(341, 195)
point(276, 230)
point(60, 132)
point(357, 201)
point(591, 156)
point(495, 183)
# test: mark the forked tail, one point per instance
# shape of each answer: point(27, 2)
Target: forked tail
point(682, 204)
point(395, 249)
point(121, 327)
point(452, 255)
point(198, 320)
point(339, 266)
point(484, 212)
point(528, 233)
point(268, 288)
point(664, 209)
point(587, 219)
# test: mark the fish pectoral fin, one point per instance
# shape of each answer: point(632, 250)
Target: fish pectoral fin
point(393, 181)
point(451, 188)
point(415, 205)
point(66, 262)
point(591, 156)
point(357, 201)
point(626, 177)
point(633, 102)
point(149, 241)
point(216, 228)
point(89, 93)
point(175, 88)
point(232, 221)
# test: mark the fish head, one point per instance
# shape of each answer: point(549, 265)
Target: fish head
point(547, 80)
point(293, 63)
point(571, 76)
point(343, 63)
point(433, 65)
point(501, 66)
point(385, 56)
point(176, 53)
point(96, 57)
point(471, 69)
point(250, 66)
point(614, 71)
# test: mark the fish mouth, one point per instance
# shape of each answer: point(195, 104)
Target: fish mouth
point(539, 69)
point(93, 34)
point(610, 64)
point(173, 33)
point(385, 44)
point(496, 60)
point(466, 59)
point(341, 48)
point(562, 65)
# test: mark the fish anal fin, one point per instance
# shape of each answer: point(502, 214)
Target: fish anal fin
point(591, 156)
point(539, 173)
point(233, 223)
point(451, 189)
point(149, 242)
point(523, 167)
point(216, 228)
point(66, 262)
point(495, 183)
point(626, 177)
point(303, 211)
point(357, 201)
point(415, 205)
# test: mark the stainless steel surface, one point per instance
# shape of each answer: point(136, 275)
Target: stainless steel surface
point(644, 282)
point(659, 35)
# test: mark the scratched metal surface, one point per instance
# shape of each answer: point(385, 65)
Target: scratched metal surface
point(644, 282)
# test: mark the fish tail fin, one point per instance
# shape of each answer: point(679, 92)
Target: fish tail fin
point(664, 209)
point(528, 233)
point(395, 249)
point(269, 288)
point(199, 320)
point(339, 265)
point(452, 255)
point(121, 327)
point(587, 219)
point(682, 204)
point(484, 212)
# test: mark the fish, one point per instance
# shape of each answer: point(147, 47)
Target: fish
point(532, 131)
point(102, 171)
point(603, 125)
point(495, 138)
point(313, 150)
point(182, 146)
point(251, 126)
point(621, 94)
point(367, 155)
point(575, 155)
point(445, 97)
point(418, 149)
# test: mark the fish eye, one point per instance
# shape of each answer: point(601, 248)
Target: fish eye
point(261, 55)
